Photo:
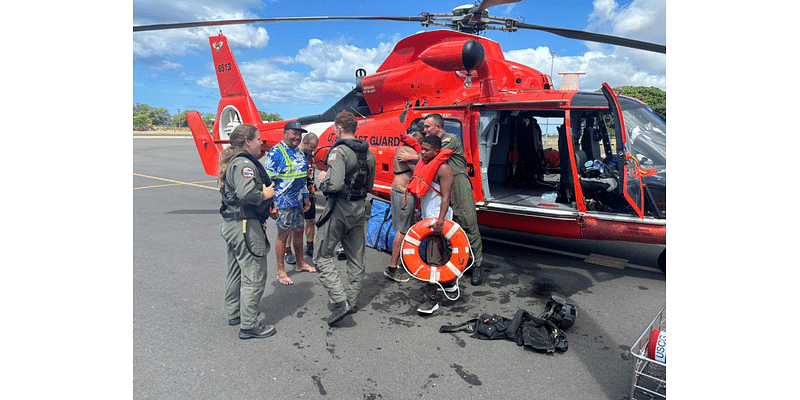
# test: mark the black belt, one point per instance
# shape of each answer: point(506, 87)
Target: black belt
point(232, 215)
point(351, 197)
point(238, 215)
point(346, 197)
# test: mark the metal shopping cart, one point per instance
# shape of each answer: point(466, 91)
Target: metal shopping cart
point(649, 375)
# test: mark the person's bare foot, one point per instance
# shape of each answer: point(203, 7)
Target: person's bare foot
point(306, 267)
point(284, 279)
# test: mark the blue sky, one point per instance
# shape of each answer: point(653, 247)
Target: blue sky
point(302, 68)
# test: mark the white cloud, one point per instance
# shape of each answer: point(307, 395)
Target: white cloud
point(599, 68)
point(618, 66)
point(149, 45)
point(332, 72)
point(642, 19)
point(338, 61)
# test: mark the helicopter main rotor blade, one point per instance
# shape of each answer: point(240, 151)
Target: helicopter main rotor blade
point(426, 19)
point(491, 3)
point(597, 37)
point(178, 25)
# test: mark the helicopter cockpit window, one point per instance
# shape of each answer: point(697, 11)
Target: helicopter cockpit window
point(647, 143)
point(647, 136)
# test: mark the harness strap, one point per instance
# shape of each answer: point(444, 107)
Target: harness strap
point(419, 178)
point(327, 216)
point(468, 326)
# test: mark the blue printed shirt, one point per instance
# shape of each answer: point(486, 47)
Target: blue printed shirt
point(288, 168)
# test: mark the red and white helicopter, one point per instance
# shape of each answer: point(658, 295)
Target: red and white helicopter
point(604, 178)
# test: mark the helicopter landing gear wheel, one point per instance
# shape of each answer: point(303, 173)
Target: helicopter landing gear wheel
point(662, 261)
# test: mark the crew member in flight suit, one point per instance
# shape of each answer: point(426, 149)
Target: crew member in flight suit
point(350, 176)
point(246, 202)
point(462, 200)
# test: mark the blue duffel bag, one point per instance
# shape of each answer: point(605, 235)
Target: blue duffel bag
point(379, 229)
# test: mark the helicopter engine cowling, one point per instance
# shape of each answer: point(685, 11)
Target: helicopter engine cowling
point(454, 56)
point(467, 55)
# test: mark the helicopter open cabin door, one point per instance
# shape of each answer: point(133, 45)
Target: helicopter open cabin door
point(520, 176)
point(631, 173)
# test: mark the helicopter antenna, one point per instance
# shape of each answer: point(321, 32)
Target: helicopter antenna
point(356, 111)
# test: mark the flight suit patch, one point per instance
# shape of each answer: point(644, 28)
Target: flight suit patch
point(248, 172)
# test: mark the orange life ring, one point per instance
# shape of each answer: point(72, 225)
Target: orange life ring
point(453, 269)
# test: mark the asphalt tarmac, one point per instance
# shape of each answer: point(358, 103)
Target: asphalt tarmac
point(183, 347)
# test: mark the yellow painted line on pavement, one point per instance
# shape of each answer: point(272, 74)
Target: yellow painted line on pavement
point(173, 183)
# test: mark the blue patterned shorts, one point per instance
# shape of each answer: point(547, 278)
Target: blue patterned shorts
point(290, 218)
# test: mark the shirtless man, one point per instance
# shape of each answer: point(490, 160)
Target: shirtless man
point(403, 205)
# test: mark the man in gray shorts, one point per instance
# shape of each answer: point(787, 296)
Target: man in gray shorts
point(287, 166)
point(403, 204)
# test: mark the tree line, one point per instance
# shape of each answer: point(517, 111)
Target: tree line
point(654, 97)
point(147, 118)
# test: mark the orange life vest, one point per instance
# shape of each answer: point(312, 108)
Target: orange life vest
point(410, 142)
point(425, 172)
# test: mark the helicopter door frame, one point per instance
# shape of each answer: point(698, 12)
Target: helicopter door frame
point(518, 202)
point(488, 119)
point(632, 186)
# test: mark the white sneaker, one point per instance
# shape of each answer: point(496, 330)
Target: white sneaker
point(428, 307)
point(451, 289)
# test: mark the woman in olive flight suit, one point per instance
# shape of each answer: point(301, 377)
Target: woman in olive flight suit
point(246, 202)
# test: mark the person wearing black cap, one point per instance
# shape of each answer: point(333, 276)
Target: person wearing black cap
point(287, 166)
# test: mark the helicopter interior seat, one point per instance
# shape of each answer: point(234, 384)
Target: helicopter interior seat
point(593, 187)
point(499, 155)
point(590, 143)
point(530, 148)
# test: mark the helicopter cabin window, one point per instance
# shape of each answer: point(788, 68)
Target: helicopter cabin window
point(526, 158)
point(452, 126)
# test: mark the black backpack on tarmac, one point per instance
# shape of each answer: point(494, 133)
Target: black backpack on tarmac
point(526, 330)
